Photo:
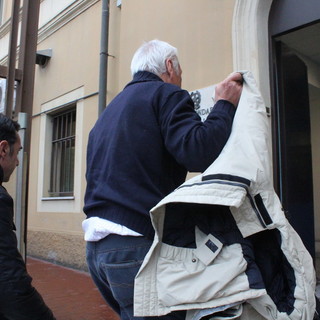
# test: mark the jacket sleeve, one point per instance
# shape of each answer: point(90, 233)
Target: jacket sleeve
point(193, 143)
point(18, 298)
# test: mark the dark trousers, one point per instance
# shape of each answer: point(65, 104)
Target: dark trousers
point(113, 264)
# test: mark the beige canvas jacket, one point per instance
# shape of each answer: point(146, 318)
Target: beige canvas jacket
point(213, 275)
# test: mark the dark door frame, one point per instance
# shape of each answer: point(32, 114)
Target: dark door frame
point(285, 16)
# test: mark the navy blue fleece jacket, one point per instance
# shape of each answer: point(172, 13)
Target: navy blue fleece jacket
point(142, 146)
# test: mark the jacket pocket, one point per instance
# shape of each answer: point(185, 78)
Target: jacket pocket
point(198, 275)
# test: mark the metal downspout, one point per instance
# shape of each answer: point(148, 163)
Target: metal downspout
point(11, 70)
point(104, 55)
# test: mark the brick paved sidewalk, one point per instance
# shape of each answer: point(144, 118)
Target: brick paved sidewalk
point(69, 293)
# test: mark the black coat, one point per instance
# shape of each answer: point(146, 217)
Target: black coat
point(19, 300)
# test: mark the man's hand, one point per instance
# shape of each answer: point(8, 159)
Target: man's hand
point(230, 89)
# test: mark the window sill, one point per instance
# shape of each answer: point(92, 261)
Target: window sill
point(57, 198)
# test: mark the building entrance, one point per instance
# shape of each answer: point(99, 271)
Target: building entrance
point(296, 91)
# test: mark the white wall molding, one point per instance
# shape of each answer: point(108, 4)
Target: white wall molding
point(62, 204)
point(49, 27)
point(5, 28)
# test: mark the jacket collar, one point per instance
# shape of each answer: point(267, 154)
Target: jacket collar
point(1, 175)
point(144, 76)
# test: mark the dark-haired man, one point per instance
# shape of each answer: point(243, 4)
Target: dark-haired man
point(19, 300)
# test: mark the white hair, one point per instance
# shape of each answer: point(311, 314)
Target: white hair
point(152, 56)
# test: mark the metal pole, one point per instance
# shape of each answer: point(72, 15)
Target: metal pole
point(21, 184)
point(12, 58)
point(24, 103)
point(104, 55)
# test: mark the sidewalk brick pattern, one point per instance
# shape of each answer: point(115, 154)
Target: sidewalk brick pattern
point(70, 294)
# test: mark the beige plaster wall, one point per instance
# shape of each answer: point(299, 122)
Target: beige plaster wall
point(57, 236)
point(59, 248)
point(200, 30)
point(202, 34)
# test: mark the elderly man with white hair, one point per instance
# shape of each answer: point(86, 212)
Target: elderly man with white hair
point(139, 151)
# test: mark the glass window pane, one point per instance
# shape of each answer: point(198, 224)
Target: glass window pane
point(63, 149)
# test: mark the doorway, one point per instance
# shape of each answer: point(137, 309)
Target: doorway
point(296, 124)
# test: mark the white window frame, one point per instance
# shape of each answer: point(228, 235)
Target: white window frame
point(70, 203)
point(63, 152)
point(1, 11)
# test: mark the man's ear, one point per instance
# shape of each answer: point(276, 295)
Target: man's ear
point(4, 148)
point(169, 65)
point(167, 76)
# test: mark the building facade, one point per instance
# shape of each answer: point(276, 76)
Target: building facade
point(277, 41)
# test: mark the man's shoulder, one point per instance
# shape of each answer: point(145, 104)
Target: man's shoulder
point(4, 193)
point(172, 92)
point(5, 198)
point(148, 88)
